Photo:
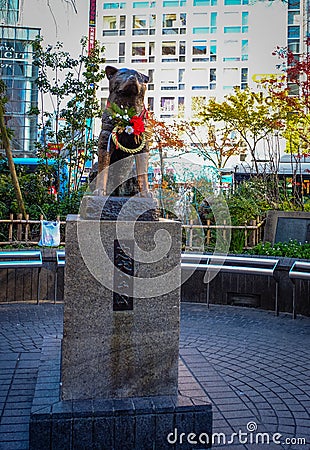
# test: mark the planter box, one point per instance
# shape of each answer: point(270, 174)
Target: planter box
point(250, 290)
point(18, 285)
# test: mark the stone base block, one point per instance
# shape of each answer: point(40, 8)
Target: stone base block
point(140, 423)
point(121, 309)
point(96, 207)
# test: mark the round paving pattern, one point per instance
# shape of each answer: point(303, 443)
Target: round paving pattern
point(254, 367)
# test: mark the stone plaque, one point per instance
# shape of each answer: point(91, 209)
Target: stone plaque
point(281, 226)
point(123, 288)
point(292, 228)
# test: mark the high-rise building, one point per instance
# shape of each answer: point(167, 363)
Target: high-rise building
point(192, 48)
point(18, 73)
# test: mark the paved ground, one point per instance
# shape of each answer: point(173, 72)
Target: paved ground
point(254, 367)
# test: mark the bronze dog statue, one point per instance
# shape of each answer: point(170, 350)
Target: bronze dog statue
point(119, 139)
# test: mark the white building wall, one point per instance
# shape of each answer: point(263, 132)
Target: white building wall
point(183, 63)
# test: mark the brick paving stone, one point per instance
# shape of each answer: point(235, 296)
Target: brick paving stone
point(254, 367)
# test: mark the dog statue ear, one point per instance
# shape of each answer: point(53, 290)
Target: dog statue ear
point(110, 71)
point(146, 79)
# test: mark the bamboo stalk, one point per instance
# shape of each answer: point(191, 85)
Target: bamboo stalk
point(11, 227)
point(27, 228)
point(19, 227)
point(208, 232)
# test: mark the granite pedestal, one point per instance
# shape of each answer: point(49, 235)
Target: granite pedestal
point(110, 351)
point(118, 384)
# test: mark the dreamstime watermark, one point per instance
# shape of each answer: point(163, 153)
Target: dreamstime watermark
point(96, 255)
point(250, 436)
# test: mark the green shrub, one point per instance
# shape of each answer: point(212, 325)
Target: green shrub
point(290, 249)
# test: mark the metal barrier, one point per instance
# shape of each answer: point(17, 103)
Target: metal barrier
point(299, 270)
point(60, 262)
point(22, 259)
point(237, 264)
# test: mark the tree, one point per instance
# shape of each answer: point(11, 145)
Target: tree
point(214, 144)
point(71, 85)
point(252, 115)
point(165, 137)
point(5, 138)
point(295, 97)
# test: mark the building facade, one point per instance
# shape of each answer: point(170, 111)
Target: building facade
point(18, 73)
point(192, 48)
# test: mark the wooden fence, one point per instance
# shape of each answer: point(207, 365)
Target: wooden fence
point(249, 235)
point(21, 231)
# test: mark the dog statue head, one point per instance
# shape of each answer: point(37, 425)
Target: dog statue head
point(127, 87)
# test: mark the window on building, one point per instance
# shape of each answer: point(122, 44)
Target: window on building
point(143, 4)
point(231, 50)
point(9, 12)
point(139, 22)
point(199, 51)
point(294, 18)
point(232, 29)
point(168, 79)
point(109, 22)
point(244, 50)
point(200, 20)
point(181, 106)
point(122, 22)
point(169, 20)
point(150, 84)
point(121, 49)
point(151, 75)
point(152, 21)
point(235, 2)
point(213, 19)
point(293, 31)
point(213, 50)
point(293, 4)
point(151, 51)
point(111, 50)
point(182, 51)
point(244, 78)
point(199, 79)
point(245, 22)
point(138, 49)
point(182, 47)
point(294, 45)
point(230, 77)
point(169, 48)
point(205, 2)
point(174, 3)
point(114, 5)
point(174, 23)
point(212, 79)
point(200, 48)
point(150, 103)
point(173, 51)
point(167, 104)
point(181, 76)
point(139, 25)
point(111, 26)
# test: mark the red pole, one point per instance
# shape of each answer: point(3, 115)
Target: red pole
point(92, 24)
